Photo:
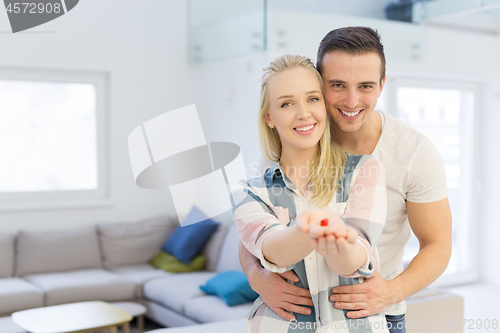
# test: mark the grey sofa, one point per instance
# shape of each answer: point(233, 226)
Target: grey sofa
point(109, 262)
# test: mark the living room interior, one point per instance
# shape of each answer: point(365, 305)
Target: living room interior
point(144, 59)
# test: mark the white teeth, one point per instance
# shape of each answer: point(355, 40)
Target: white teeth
point(304, 129)
point(350, 114)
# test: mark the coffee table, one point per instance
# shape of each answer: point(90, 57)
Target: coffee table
point(135, 310)
point(82, 316)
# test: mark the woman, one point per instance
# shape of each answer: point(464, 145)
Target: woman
point(317, 210)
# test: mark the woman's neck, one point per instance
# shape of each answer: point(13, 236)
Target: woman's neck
point(296, 166)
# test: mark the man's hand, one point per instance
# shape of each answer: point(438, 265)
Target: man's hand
point(282, 296)
point(365, 299)
point(278, 294)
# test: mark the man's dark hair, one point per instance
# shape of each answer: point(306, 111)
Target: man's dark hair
point(354, 41)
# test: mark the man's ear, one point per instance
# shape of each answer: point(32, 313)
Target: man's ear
point(382, 84)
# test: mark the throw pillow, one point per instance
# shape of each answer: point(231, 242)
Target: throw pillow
point(127, 244)
point(170, 264)
point(186, 242)
point(232, 287)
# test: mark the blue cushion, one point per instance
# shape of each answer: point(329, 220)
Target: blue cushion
point(186, 242)
point(232, 287)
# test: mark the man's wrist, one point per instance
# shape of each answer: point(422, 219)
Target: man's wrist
point(254, 272)
point(398, 291)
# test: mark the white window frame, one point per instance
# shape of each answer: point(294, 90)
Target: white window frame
point(12, 201)
point(390, 95)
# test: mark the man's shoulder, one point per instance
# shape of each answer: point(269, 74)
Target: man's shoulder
point(401, 145)
point(394, 126)
point(397, 135)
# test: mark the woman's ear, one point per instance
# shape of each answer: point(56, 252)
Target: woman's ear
point(267, 119)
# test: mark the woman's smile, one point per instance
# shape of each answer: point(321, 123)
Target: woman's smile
point(305, 129)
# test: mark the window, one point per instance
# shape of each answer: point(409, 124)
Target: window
point(444, 112)
point(52, 139)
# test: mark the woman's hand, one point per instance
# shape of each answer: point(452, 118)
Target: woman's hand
point(309, 221)
point(335, 241)
point(333, 238)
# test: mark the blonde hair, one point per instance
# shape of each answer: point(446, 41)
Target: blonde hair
point(328, 164)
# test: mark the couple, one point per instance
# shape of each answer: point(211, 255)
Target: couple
point(321, 239)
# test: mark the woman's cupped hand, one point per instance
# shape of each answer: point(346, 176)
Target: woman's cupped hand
point(328, 232)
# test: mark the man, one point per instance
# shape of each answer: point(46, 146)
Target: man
point(352, 63)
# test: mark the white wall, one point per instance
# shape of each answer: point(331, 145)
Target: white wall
point(488, 219)
point(228, 104)
point(143, 47)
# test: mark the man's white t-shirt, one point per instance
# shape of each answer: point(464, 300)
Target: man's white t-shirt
point(414, 172)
